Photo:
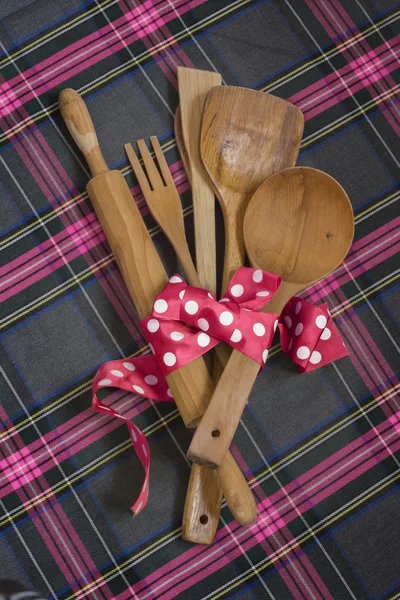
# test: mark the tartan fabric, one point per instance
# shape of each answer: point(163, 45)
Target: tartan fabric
point(321, 451)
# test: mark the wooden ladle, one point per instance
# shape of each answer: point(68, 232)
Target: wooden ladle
point(299, 225)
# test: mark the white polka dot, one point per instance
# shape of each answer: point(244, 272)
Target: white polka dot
point(276, 324)
point(203, 339)
point(134, 436)
point(153, 325)
point(129, 366)
point(290, 344)
point(144, 449)
point(298, 307)
point(169, 393)
point(138, 389)
point(191, 307)
point(237, 290)
point(265, 355)
point(139, 506)
point(203, 324)
point(144, 485)
point(181, 294)
point(151, 379)
point(259, 329)
point(321, 321)
point(288, 321)
point(303, 352)
point(226, 318)
point(315, 357)
point(169, 359)
point(160, 306)
point(151, 348)
point(326, 334)
point(175, 279)
point(257, 276)
point(117, 373)
point(176, 336)
point(210, 296)
point(263, 294)
point(224, 300)
point(299, 328)
point(236, 336)
point(105, 382)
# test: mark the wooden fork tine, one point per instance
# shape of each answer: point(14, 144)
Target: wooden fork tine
point(162, 163)
point(137, 169)
point(151, 168)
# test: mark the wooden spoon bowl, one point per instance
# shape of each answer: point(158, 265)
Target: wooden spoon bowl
point(299, 225)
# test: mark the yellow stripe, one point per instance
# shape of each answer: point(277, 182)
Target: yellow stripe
point(366, 211)
point(362, 110)
point(305, 537)
point(18, 53)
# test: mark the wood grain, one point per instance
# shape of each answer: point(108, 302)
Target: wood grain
point(299, 225)
point(246, 137)
point(194, 85)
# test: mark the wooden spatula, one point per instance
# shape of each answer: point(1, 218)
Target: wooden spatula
point(194, 86)
point(246, 137)
point(144, 276)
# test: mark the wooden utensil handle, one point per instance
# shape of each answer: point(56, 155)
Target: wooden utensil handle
point(204, 230)
point(80, 126)
point(219, 423)
point(234, 252)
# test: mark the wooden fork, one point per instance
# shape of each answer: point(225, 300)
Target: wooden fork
point(164, 203)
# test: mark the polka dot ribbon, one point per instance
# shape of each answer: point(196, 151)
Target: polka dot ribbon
point(186, 322)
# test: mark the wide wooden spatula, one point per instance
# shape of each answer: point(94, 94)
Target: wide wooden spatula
point(246, 137)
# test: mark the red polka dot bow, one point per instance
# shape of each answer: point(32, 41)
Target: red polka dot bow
point(186, 322)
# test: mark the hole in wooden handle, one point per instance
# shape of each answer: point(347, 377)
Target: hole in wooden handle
point(216, 433)
point(203, 519)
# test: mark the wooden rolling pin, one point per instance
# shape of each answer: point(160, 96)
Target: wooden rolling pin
point(145, 277)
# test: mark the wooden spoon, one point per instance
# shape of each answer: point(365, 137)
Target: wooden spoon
point(299, 224)
point(246, 137)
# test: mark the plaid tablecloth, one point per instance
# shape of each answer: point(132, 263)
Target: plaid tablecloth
point(321, 451)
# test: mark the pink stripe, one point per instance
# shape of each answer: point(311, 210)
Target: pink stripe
point(387, 81)
point(302, 97)
point(129, 27)
point(23, 260)
point(354, 76)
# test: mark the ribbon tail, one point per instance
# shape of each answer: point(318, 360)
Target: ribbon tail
point(142, 376)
